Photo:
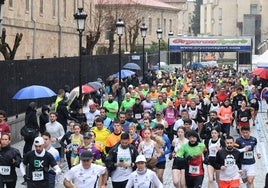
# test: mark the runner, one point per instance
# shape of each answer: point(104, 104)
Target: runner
point(248, 161)
point(179, 164)
point(193, 153)
point(228, 161)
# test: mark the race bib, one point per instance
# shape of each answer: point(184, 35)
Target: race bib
point(38, 175)
point(194, 169)
point(227, 116)
point(229, 162)
point(248, 155)
point(138, 116)
point(170, 115)
point(5, 170)
point(244, 119)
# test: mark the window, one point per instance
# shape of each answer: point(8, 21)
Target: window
point(253, 9)
point(64, 9)
point(41, 10)
point(165, 27)
point(27, 5)
point(54, 8)
point(220, 13)
point(75, 6)
point(220, 28)
point(10, 3)
point(90, 13)
point(158, 23)
point(189, 18)
point(170, 25)
point(150, 26)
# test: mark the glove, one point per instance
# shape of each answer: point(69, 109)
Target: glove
point(52, 172)
point(26, 178)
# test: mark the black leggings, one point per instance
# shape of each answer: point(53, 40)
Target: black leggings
point(28, 145)
point(9, 184)
point(194, 181)
point(121, 184)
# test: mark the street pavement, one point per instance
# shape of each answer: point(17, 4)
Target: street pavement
point(260, 131)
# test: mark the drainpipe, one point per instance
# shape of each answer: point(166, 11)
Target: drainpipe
point(34, 28)
point(60, 30)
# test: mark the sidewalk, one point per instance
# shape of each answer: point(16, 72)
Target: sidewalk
point(260, 131)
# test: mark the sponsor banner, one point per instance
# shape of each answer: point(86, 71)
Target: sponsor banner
point(210, 44)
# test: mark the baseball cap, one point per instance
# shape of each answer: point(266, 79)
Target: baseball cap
point(86, 155)
point(87, 135)
point(140, 158)
point(38, 141)
point(130, 86)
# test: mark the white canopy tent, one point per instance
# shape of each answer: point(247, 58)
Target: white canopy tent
point(262, 60)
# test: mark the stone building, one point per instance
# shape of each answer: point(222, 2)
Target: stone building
point(235, 18)
point(48, 27)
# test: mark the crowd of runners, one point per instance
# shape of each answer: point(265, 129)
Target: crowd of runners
point(128, 129)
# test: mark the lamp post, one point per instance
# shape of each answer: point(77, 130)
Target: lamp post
point(170, 34)
point(143, 35)
point(159, 37)
point(80, 18)
point(120, 30)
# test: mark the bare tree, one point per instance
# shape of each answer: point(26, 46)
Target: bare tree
point(8, 53)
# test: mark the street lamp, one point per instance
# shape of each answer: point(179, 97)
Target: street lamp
point(120, 30)
point(170, 34)
point(80, 18)
point(143, 35)
point(159, 37)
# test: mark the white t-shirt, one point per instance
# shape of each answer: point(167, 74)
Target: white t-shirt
point(180, 122)
point(149, 179)
point(54, 153)
point(121, 174)
point(82, 178)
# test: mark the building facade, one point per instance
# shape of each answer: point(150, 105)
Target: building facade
point(235, 18)
point(48, 27)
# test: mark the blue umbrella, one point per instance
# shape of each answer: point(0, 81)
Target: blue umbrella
point(34, 92)
point(132, 66)
point(124, 73)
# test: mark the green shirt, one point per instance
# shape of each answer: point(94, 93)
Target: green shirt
point(127, 104)
point(144, 92)
point(159, 107)
point(109, 107)
point(186, 150)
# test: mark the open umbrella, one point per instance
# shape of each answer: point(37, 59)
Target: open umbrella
point(124, 73)
point(34, 92)
point(262, 72)
point(132, 66)
point(96, 85)
point(85, 89)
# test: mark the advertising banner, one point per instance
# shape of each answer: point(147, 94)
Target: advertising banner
point(210, 44)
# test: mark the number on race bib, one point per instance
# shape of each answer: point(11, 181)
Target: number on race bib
point(38, 175)
point(248, 155)
point(194, 169)
point(5, 170)
point(229, 162)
